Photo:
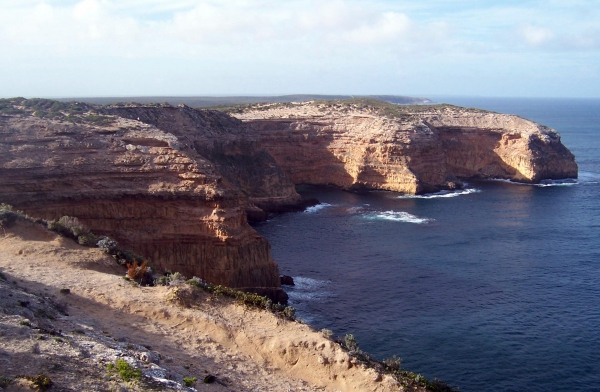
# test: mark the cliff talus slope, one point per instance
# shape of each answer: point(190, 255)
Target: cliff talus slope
point(411, 149)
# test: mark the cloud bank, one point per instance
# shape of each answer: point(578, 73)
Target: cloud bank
point(380, 46)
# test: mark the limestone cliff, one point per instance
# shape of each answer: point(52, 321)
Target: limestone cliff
point(177, 184)
point(147, 187)
point(412, 149)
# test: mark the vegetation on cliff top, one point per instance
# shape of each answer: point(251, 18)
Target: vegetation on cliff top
point(366, 105)
point(74, 112)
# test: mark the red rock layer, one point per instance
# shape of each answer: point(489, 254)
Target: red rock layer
point(150, 190)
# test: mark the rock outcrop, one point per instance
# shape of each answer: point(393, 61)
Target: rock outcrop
point(411, 149)
point(170, 183)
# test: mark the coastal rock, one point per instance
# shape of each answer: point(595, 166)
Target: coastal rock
point(411, 149)
point(149, 188)
point(178, 185)
point(287, 280)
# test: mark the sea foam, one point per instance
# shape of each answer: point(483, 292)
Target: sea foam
point(308, 289)
point(316, 208)
point(442, 194)
point(398, 216)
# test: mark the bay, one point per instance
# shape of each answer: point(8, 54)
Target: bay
point(492, 288)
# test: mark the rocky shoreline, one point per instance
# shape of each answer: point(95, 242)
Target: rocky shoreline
point(179, 185)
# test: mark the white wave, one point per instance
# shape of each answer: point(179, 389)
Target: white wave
point(308, 289)
point(309, 283)
point(541, 184)
point(442, 194)
point(316, 208)
point(398, 216)
point(564, 182)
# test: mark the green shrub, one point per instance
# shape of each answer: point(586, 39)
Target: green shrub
point(68, 226)
point(351, 343)
point(41, 381)
point(189, 381)
point(393, 363)
point(88, 239)
point(124, 370)
point(242, 297)
point(5, 381)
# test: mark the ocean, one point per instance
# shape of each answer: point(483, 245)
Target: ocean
point(495, 287)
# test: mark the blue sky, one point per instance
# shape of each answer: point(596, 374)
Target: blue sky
point(241, 47)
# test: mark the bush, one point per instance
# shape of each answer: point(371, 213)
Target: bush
point(393, 363)
point(89, 239)
point(124, 370)
point(5, 381)
point(350, 343)
point(41, 381)
point(242, 297)
point(189, 381)
point(175, 279)
point(140, 273)
point(7, 218)
point(107, 245)
point(69, 227)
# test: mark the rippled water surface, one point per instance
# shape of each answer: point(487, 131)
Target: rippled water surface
point(492, 288)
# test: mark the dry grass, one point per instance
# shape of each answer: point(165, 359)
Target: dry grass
point(135, 271)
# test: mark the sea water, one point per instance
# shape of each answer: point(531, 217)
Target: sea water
point(495, 287)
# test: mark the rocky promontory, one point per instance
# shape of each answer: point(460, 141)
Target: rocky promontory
point(367, 144)
point(178, 184)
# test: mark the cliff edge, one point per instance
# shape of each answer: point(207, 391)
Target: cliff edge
point(171, 183)
point(178, 184)
point(412, 149)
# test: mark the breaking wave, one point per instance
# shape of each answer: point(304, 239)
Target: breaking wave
point(541, 184)
point(316, 208)
point(442, 194)
point(398, 216)
point(307, 289)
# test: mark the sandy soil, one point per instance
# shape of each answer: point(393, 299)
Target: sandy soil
point(167, 332)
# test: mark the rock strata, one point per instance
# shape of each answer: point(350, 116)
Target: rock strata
point(178, 185)
point(170, 183)
point(411, 149)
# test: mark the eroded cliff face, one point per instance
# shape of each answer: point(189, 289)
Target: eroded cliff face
point(177, 184)
point(407, 149)
point(150, 189)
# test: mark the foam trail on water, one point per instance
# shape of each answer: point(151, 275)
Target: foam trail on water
point(442, 194)
point(541, 184)
point(308, 289)
point(563, 182)
point(316, 208)
point(398, 216)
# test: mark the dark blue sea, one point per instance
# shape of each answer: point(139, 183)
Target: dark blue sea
point(492, 288)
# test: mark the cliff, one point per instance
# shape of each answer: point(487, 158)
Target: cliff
point(178, 184)
point(412, 149)
point(137, 173)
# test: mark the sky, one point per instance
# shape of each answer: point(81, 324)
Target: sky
point(85, 48)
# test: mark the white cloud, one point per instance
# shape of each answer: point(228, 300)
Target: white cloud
point(250, 44)
point(536, 36)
